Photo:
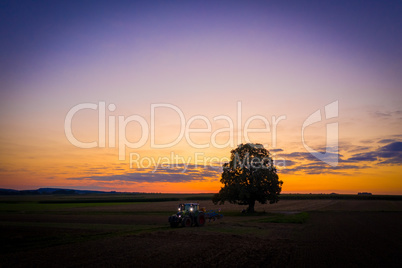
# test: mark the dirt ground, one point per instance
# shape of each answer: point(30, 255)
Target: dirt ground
point(337, 233)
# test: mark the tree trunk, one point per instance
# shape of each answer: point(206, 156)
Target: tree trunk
point(251, 206)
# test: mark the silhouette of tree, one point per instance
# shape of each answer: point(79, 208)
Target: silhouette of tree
point(250, 176)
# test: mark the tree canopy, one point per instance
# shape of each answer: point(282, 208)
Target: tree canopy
point(250, 176)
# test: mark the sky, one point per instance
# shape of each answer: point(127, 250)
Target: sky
point(151, 96)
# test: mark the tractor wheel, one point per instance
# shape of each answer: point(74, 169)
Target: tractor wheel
point(186, 222)
point(200, 221)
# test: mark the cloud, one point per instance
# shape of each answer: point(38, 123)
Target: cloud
point(282, 163)
point(320, 168)
point(388, 154)
point(276, 150)
point(369, 156)
point(287, 163)
point(306, 156)
point(387, 114)
point(391, 153)
point(355, 148)
point(382, 114)
point(304, 162)
point(392, 147)
point(169, 173)
point(144, 177)
point(386, 141)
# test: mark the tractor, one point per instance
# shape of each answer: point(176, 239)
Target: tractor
point(188, 215)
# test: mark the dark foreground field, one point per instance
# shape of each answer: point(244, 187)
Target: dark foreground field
point(292, 233)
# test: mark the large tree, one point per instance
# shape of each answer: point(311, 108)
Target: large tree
point(250, 176)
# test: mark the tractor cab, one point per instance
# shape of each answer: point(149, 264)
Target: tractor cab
point(189, 207)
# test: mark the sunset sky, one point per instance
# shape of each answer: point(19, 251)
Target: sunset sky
point(146, 70)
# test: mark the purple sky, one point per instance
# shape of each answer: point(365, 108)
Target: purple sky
point(275, 57)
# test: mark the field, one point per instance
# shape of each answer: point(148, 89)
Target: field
point(114, 231)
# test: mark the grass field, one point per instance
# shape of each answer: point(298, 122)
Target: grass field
point(127, 230)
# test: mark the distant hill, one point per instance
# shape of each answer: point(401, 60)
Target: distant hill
point(8, 191)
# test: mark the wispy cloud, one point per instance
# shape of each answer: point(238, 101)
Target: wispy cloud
point(360, 157)
point(388, 154)
point(382, 114)
point(387, 114)
point(170, 173)
point(386, 141)
point(320, 168)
